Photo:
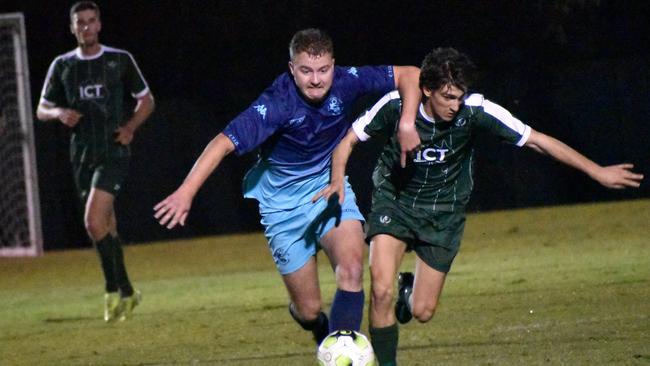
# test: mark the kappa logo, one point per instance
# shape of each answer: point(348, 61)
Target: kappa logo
point(460, 122)
point(261, 109)
point(353, 71)
point(279, 257)
point(112, 64)
point(385, 219)
point(117, 187)
point(334, 105)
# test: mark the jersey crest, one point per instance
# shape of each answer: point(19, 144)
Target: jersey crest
point(334, 105)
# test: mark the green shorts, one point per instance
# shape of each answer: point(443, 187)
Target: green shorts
point(108, 176)
point(435, 238)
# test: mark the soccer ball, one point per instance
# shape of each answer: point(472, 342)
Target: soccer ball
point(346, 348)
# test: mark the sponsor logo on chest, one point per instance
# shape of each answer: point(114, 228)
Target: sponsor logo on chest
point(431, 155)
point(92, 91)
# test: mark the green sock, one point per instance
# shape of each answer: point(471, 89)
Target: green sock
point(121, 277)
point(384, 342)
point(106, 252)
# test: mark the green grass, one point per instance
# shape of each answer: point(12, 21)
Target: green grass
point(551, 286)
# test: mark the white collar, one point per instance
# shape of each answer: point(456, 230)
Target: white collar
point(90, 57)
point(426, 116)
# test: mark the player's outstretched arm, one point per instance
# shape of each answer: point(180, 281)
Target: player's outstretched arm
point(340, 158)
point(614, 176)
point(407, 81)
point(173, 210)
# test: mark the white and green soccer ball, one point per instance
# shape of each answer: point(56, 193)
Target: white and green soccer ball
point(346, 348)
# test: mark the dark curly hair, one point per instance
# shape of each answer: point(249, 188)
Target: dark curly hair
point(313, 41)
point(444, 66)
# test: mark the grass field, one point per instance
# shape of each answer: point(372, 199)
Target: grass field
point(549, 286)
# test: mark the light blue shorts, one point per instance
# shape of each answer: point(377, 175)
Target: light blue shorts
point(294, 235)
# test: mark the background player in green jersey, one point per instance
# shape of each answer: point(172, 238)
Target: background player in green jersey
point(85, 89)
point(422, 207)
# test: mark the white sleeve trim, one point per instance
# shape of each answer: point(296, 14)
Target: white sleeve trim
point(141, 94)
point(525, 136)
point(137, 68)
point(46, 102)
point(507, 119)
point(360, 123)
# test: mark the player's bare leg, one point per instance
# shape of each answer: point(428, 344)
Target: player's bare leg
point(386, 253)
point(344, 246)
point(304, 293)
point(101, 225)
point(99, 216)
point(426, 291)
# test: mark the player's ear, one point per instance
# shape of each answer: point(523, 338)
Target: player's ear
point(291, 68)
point(427, 92)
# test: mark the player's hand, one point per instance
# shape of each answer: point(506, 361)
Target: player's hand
point(328, 191)
point(123, 135)
point(619, 176)
point(69, 117)
point(173, 210)
point(409, 140)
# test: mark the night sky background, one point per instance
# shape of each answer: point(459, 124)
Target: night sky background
point(575, 69)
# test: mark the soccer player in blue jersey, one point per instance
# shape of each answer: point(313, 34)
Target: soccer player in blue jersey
point(422, 207)
point(84, 90)
point(297, 122)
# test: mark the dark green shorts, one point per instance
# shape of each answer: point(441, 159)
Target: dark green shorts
point(435, 238)
point(108, 176)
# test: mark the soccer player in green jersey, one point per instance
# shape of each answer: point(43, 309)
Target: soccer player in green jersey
point(422, 207)
point(84, 89)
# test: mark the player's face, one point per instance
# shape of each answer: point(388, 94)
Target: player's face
point(86, 26)
point(313, 75)
point(445, 102)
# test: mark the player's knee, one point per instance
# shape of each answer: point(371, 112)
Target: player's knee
point(306, 311)
point(382, 294)
point(424, 313)
point(95, 227)
point(349, 276)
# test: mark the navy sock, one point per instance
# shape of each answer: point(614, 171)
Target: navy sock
point(384, 343)
point(347, 310)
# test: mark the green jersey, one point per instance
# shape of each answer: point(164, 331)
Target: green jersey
point(95, 86)
point(439, 177)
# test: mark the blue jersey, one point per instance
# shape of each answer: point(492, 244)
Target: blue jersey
point(297, 138)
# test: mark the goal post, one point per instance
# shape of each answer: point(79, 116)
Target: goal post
point(20, 216)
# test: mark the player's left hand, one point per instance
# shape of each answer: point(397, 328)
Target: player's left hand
point(123, 135)
point(619, 176)
point(409, 140)
point(327, 192)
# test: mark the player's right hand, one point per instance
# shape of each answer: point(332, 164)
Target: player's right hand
point(69, 117)
point(409, 141)
point(328, 191)
point(173, 210)
point(619, 176)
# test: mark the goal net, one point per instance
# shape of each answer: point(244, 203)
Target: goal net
point(20, 217)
